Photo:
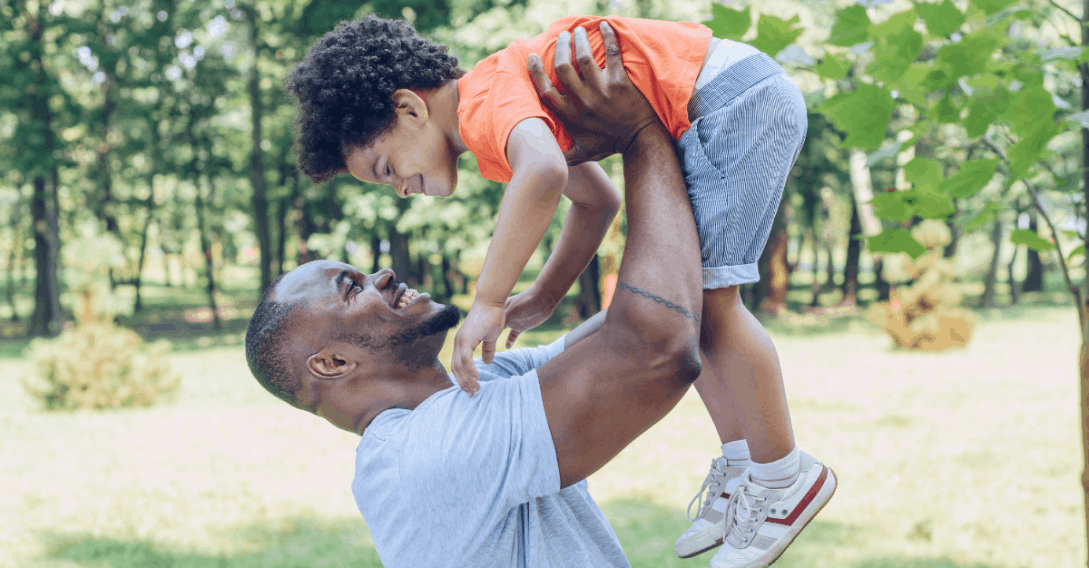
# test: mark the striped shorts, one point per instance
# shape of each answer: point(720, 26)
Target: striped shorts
point(748, 126)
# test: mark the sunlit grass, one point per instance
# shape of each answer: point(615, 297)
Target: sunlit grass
point(960, 459)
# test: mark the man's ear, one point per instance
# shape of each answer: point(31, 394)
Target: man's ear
point(407, 103)
point(330, 363)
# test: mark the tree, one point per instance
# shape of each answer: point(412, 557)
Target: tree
point(978, 77)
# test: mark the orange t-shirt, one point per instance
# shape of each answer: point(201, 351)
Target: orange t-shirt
point(663, 60)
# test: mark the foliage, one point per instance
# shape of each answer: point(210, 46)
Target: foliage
point(98, 365)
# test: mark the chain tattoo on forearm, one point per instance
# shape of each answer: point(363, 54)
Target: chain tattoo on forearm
point(679, 309)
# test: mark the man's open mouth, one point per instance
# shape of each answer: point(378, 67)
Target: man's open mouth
point(406, 298)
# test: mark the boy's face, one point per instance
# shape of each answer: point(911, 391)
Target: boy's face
point(415, 157)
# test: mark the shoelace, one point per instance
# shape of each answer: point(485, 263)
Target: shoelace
point(711, 488)
point(740, 510)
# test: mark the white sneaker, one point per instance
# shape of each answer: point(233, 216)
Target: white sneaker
point(762, 522)
point(709, 523)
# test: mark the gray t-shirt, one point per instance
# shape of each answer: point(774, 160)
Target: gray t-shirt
point(465, 481)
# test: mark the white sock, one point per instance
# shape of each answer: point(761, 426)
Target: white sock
point(737, 453)
point(779, 474)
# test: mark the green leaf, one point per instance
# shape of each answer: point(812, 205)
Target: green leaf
point(897, 46)
point(891, 206)
point(832, 67)
point(984, 109)
point(923, 172)
point(896, 240)
point(939, 77)
point(852, 27)
point(863, 114)
point(729, 23)
point(972, 177)
point(1028, 150)
point(910, 84)
point(930, 202)
point(992, 6)
point(970, 55)
point(774, 34)
point(945, 111)
point(989, 212)
point(1030, 107)
point(1031, 240)
point(1080, 249)
point(941, 19)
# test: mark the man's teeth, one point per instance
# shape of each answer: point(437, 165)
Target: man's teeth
point(407, 298)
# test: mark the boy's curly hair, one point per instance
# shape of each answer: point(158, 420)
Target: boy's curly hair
point(345, 84)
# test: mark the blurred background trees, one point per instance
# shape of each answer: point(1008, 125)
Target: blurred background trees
point(164, 123)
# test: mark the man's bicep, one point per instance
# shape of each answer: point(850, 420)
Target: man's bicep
point(599, 395)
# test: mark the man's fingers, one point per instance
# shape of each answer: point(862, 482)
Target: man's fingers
point(614, 62)
point(511, 337)
point(584, 56)
point(566, 73)
point(546, 91)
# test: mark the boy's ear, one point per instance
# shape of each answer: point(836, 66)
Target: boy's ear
point(329, 363)
point(408, 103)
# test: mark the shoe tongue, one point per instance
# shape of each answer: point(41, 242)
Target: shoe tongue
point(719, 463)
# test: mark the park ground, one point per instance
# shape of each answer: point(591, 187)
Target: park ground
point(966, 458)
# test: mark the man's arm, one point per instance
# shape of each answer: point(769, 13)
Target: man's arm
point(605, 390)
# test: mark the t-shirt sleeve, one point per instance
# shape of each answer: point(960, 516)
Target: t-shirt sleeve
point(490, 117)
point(470, 459)
point(519, 361)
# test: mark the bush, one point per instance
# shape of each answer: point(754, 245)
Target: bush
point(98, 365)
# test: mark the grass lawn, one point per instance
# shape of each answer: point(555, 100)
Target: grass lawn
point(966, 458)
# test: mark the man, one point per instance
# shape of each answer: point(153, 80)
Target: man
point(498, 479)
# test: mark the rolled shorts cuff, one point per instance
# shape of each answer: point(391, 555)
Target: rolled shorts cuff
point(725, 276)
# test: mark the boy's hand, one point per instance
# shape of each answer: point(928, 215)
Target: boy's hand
point(602, 111)
point(483, 324)
point(524, 312)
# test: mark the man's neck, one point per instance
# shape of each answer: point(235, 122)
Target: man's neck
point(409, 393)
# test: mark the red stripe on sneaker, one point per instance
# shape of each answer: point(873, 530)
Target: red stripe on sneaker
point(809, 496)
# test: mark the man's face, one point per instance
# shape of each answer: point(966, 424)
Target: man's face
point(369, 311)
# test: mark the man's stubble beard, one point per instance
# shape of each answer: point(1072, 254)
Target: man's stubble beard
point(403, 346)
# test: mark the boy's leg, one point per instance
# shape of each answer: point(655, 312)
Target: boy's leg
point(743, 357)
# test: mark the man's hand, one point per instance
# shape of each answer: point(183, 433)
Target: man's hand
point(603, 111)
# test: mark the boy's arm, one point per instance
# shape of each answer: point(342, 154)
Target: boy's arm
point(594, 204)
point(540, 175)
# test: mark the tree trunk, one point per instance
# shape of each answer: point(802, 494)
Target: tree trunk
point(281, 221)
point(769, 295)
point(954, 238)
point(376, 253)
point(588, 302)
point(47, 317)
point(1083, 366)
point(206, 250)
point(1014, 285)
point(987, 301)
point(854, 254)
point(149, 204)
point(447, 282)
point(257, 159)
point(11, 278)
point(398, 251)
point(1034, 278)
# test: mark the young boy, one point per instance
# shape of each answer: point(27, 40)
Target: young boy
point(390, 107)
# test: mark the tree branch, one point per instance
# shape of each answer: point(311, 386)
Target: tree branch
point(1065, 11)
point(1038, 203)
